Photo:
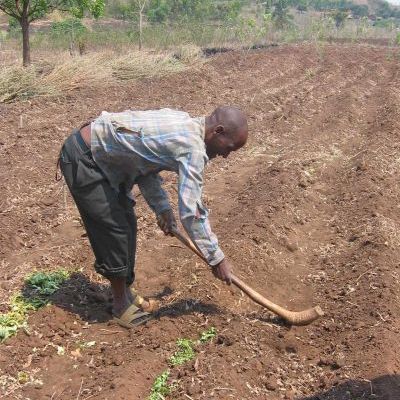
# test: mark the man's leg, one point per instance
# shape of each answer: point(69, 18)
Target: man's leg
point(105, 218)
point(121, 295)
point(112, 247)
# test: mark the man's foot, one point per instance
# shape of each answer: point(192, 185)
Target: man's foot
point(120, 306)
point(132, 317)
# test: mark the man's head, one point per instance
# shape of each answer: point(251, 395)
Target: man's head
point(225, 131)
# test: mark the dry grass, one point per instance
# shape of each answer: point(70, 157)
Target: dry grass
point(153, 65)
point(56, 77)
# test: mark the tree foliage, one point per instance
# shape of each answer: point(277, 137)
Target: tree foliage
point(35, 9)
point(26, 11)
point(339, 18)
point(280, 12)
point(161, 11)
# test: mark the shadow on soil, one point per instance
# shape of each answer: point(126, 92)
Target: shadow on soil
point(92, 301)
point(386, 387)
point(269, 319)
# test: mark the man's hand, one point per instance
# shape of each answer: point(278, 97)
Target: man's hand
point(223, 271)
point(167, 222)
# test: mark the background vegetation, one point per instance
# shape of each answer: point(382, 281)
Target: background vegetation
point(66, 42)
point(167, 23)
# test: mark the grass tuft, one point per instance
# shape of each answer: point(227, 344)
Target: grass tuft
point(17, 83)
point(149, 66)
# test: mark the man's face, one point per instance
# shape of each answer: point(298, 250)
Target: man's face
point(223, 143)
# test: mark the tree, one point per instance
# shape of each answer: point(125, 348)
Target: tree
point(301, 8)
point(74, 30)
point(141, 4)
point(358, 10)
point(227, 10)
point(158, 10)
point(26, 11)
point(339, 17)
point(384, 10)
point(280, 14)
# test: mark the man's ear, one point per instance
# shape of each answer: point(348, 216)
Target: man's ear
point(219, 129)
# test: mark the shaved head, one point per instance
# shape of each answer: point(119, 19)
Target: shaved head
point(226, 131)
point(231, 118)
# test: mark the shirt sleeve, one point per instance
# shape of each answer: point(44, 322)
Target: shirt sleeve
point(151, 188)
point(192, 213)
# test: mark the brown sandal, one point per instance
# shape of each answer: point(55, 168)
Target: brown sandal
point(132, 316)
point(147, 305)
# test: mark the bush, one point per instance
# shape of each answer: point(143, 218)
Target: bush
point(73, 30)
point(72, 27)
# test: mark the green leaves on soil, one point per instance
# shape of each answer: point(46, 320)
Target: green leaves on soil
point(160, 387)
point(39, 286)
point(186, 352)
point(208, 335)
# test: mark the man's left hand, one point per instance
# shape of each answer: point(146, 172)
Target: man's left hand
point(167, 222)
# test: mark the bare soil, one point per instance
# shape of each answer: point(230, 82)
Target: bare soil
point(308, 212)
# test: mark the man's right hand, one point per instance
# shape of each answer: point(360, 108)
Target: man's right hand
point(223, 271)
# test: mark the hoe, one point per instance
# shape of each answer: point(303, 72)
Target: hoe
point(304, 317)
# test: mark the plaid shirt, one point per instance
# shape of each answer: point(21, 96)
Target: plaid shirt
point(131, 147)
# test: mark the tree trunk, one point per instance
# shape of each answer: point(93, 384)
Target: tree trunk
point(140, 28)
point(26, 52)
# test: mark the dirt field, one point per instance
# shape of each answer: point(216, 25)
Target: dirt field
point(308, 212)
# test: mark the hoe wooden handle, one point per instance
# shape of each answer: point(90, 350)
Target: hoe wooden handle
point(304, 317)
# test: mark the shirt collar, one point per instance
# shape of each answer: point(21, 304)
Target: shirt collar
point(202, 125)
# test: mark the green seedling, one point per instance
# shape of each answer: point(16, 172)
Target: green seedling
point(208, 335)
point(160, 387)
point(184, 354)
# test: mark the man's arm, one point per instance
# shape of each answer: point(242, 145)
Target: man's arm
point(156, 197)
point(193, 215)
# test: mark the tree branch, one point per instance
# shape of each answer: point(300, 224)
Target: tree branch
point(10, 13)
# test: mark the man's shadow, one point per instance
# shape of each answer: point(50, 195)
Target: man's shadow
point(385, 387)
point(91, 301)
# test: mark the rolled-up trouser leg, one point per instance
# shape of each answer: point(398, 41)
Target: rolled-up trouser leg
point(108, 215)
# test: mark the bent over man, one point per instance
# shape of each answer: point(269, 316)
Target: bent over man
point(104, 159)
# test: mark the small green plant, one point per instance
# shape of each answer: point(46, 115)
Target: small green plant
point(160, 387)
point(16, 318)
point(40, 286)
point(208, 335)
point(46, 283)
point(184, 354)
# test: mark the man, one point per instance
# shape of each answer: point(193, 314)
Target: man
point(104, 159)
